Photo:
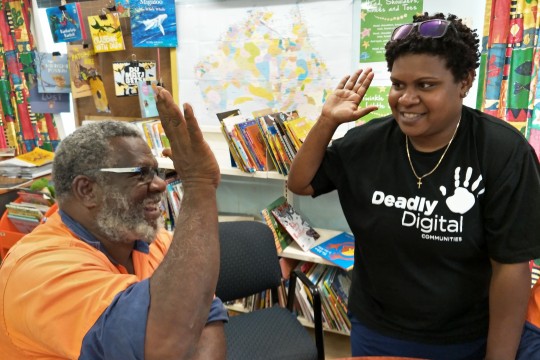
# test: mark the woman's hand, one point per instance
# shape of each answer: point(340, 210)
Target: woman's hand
point(343, 104)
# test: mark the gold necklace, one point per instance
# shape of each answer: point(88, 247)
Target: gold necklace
point(419, 178)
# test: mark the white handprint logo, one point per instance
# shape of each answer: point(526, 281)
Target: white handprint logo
point(463, 199)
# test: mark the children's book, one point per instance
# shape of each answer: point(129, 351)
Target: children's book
point(298, 130)
point(299, 229)
point(339, 250)
point(83, 64)
point(122, 6)
point(153, 23)
point(98, 94)
point(106, 32)
point(48, 103)
point(66, 23)
point(147, 100)
point(52, 73)
point(281, 236)
point(127, 75)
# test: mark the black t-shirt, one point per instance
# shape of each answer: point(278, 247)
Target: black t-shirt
point(422, 267)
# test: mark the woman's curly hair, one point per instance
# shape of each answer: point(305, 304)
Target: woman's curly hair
point(460, 48)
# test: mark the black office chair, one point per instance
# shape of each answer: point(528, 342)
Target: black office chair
point(250, 265)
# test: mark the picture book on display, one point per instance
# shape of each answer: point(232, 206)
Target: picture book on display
point(297, 227)
point(128, 74)
point(281, 236)
point(48, 103)
point(52, 73)
point(66, 23)
point(147, 100)
point(106, 32)
point(153, 23)
point(82, 64)
point(339, 250)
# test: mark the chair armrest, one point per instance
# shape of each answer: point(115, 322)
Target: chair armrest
point(317, 309)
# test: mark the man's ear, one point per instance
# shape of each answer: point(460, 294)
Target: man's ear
point(85, 190)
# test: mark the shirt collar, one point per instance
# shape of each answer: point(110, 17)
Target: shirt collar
point(83, 234)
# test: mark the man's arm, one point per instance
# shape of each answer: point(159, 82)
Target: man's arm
point(183, 286)
point(340, 107)
point(508, 297)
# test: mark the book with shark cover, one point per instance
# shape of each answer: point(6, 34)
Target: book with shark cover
point(153, 25)
point(106, 32)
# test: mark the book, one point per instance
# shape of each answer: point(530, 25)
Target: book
point(281, 236)
point(98, 94)
point(297, 227)
point(298, 129)
point(47, 103)
point(24, 224)
point(106, 32)
point(66, 23)
point(52, 71)
point(83, 64)
point(153, 23)
point(147, 100)
point(128, 74)
point(36, 157)
point(339, 250)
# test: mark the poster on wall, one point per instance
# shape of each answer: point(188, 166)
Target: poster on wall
point(378, 18)
point(281, 55)
point(153, 23)
point(127, 75)
point(375, 96)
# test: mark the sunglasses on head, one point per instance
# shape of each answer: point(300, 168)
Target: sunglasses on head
point(434, 28)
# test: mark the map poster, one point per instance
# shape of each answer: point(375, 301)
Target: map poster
point(282, 55)
point(375, 96)
point(378, 18)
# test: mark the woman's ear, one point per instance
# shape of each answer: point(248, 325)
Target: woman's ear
point(85, 191)
point(466, 83)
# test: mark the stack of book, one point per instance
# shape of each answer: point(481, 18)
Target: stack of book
point(31, 165)
point(265, 142)
point(28, 210)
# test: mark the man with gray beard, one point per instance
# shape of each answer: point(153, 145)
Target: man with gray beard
point(102, 278)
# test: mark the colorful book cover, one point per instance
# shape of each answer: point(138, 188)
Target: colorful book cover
point(48, 103)
point(122, 6)
point(153, 23)
point(339, 250)
point(147, 99)
point(52, 73)
point(98, 94)
point(83, 63)
point(106, 32)
point(281, 236)
point(128, 74)
point(298, 130)
point(66, 23)
point(299, 229)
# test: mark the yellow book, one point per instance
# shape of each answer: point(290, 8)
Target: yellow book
point(36, 157)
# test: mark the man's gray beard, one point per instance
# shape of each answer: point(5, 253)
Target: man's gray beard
point(123, 221)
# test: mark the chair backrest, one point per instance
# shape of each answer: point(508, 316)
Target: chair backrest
point(249, 261)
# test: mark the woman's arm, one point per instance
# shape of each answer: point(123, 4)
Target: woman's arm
point(508, 297)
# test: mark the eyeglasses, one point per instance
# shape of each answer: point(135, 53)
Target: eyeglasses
point(146, 173)
point(434, 28)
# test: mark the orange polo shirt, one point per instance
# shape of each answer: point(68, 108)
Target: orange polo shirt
point(49, 275)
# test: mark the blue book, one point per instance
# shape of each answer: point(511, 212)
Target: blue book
point(65, 22)
point(153, 23)
point(52, 73)
point(339, 250)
